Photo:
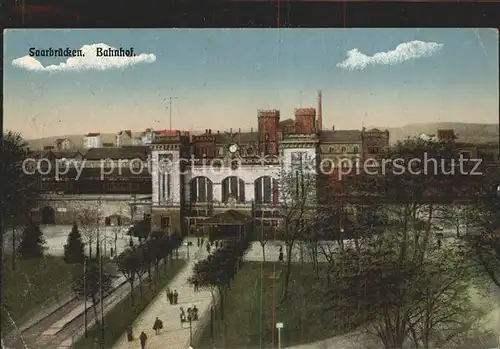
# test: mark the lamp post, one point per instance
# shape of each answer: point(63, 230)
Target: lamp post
point(186, 243)
point(279, 326)
point(85, 295)
point(190, 319)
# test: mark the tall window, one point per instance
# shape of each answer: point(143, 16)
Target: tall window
point(169, 185)
point(233, 187)
point(201, 189)
point(266, 190)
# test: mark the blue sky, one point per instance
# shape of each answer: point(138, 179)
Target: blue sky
point(223, 76)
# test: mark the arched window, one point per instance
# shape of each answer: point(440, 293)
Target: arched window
point(233, 187)
point(356, 150)
point(343, 150)
point(201, 189)
point(266, 190)
point(48, 215)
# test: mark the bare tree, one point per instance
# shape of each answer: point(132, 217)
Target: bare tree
point(297, 207)
point(407, 286)
point(89, 218)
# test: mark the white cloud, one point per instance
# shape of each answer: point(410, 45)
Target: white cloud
point(88, 61)
point(403, 52)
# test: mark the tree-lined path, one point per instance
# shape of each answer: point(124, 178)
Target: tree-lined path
point(172, 336)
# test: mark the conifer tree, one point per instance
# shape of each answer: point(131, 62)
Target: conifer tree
point(73, 250)
point(32, 243)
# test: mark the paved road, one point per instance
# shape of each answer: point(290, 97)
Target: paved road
point(173, 335)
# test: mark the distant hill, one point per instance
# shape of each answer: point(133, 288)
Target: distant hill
point(467, 132)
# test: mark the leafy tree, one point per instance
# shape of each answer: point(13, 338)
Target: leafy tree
point(91, 283)
point(128, 263)
point(73, 250)
point(147, 253)
point(32, 243)
point(19, 188)
point(218, 270)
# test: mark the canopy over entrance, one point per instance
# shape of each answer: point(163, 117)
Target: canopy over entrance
point(228, 224)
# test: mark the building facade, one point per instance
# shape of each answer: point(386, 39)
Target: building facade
point(92, 140)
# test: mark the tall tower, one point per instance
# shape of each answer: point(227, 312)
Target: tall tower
point(320, 112)
point(269, 124)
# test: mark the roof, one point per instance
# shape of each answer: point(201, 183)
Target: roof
point(125, 132)
point(60, 140)
point(229, 217)
point(341, 136)
point(115, 153)
point(242, 137)
point(92, 134)
point(66, 154)
point(123, 173)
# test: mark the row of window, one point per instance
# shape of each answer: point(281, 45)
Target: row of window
point(233, 188)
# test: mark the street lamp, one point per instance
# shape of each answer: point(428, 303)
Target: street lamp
point(190, 319)
point(279, 326)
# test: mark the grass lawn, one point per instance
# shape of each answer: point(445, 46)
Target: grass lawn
point(123, 314)
point(34, 283)
point(305, 317)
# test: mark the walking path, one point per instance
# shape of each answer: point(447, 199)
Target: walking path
point(173, 335)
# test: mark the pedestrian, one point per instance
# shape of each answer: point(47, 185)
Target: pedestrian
point(130, 335)
point(195, 313)
point(216, 243)
point(175, 297)
point(112, 252)
point(157, 326)
point(195, 285)
point(183, 317)
point(202, 240)
point(439, 243)
point(281, 254)
point(170, 296)
point(198, 240)
point(208, 248)
point(143, 338)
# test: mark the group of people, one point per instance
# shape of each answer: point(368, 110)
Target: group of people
point(192, 315)
point(173, 297)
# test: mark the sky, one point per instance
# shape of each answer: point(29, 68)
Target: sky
point(368, 77)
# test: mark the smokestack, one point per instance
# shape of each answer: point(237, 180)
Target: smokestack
point(320, 111)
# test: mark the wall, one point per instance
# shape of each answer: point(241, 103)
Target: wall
point(247, 173)
point(175, 176)
point(68, 207)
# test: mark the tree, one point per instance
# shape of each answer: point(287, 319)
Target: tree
point(32, 243)
point(88, 219)
point(128, 263)
point(408, 286)
point(19, 188)
point(297, 207)
point(96, 282)
point(73, 250)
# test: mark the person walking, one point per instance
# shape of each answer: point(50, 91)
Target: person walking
point(170, 296)
point(182, 317)
point(281, 254)
point(143, 338)
point(175, 297)
point(157, 326)
point(195, 313)
point(130, 334)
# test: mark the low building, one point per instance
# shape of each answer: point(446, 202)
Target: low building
point(92, 140)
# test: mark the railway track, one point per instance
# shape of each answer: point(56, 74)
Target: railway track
point(35, 336)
